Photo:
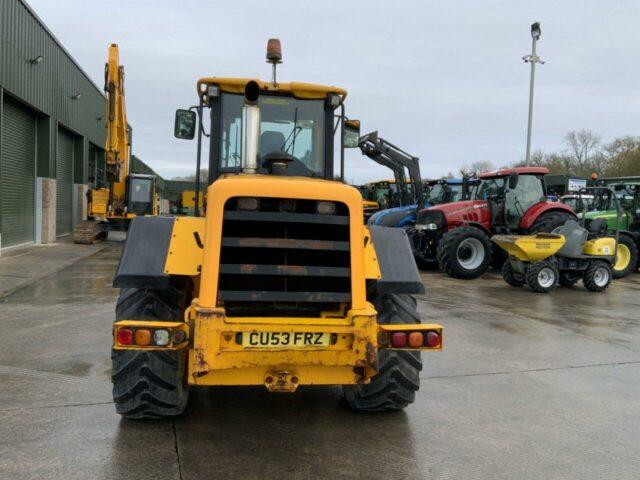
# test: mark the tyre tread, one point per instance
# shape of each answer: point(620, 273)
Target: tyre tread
point(398, 377)
point(149, 383)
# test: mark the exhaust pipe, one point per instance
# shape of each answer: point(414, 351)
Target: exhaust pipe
point(250, 128)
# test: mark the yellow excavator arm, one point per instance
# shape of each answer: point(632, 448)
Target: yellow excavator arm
point(117, 142)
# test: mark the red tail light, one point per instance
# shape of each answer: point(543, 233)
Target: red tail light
point(398, 340)
point(432, 339)
point(125, 336)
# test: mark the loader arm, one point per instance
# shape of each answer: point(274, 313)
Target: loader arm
point(387, 154)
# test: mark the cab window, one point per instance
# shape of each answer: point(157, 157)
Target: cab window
point(625, 197)
point(528, 192)
point(287, 124)
point(489, 187)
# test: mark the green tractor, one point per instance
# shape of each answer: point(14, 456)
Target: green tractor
point(628, 196)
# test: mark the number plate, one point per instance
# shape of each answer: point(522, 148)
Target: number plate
point(285, 339)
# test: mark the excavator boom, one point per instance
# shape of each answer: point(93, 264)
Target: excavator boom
point(117, 142)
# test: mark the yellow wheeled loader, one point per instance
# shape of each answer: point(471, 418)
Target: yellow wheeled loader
point(576, 250)
point(280, 284)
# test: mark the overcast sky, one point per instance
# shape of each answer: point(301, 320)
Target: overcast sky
point(444, 80)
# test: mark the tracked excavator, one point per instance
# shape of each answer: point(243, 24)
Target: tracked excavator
point(127, 195)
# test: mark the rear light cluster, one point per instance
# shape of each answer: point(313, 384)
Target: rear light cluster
point(158, 337)
point(417, 339)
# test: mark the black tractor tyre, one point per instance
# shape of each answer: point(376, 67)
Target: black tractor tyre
point(568, 279)
point(536, 274)
point(512, 277)
point(549, 221)
point(499, 257)
point(448, 253)
point(398, 377)
point(150, 383)
point(597, 276)
point(630, 243)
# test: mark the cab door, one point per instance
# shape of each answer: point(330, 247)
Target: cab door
point(527, 193)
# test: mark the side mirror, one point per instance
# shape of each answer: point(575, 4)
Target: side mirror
point(513, 180)
point(351, 134)
point(185, 124)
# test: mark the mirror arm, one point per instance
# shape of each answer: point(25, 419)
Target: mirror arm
point(196, 208)
point(342, 119)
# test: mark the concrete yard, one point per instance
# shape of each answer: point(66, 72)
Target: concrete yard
point(528, 387)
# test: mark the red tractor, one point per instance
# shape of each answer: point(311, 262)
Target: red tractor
point(508, 201)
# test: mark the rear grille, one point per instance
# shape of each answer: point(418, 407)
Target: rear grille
point(284, 259)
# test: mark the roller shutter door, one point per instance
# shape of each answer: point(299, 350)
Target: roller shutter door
point(17, 175)
point(64, 183)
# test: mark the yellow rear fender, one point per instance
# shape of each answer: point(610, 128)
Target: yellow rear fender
point(159, 247)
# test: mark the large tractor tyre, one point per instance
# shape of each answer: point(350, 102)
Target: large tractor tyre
point(568, 279)
point(627, 256)
point(542, 277)
point(398, 377)
point(512, 277)
point(150, 383)
point(597, 276)
point(549, 221)
point(464, 252)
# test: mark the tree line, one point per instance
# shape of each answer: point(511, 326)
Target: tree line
point(585, 154)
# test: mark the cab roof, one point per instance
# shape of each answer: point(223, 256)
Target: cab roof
point(504, 172)
point(306, 91)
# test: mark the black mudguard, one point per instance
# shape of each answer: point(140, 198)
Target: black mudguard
point(397, 264)
point(145, 253)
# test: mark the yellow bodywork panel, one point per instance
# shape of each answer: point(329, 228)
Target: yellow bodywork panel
point(189, 199)
point(99, 202)
point(371, 266)
point(600, 246)
point(370, 205)
point(186, 247)
point(297, 89)
point(217, 358)
point(530, 248)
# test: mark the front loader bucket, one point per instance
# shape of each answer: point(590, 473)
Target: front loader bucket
point(530, 248)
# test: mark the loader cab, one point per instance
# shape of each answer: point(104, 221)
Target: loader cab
point(140, 194)
point(297, 125)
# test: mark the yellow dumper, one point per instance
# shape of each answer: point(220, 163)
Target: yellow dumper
point(570, 253)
